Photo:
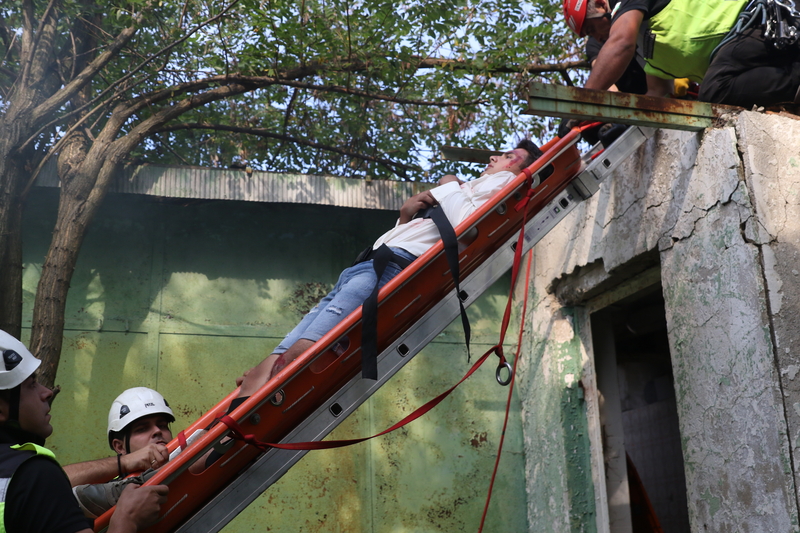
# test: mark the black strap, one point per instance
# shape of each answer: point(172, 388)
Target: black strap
point(380, 259)
point(450, 242)
point(369, 316)
point(368, 253)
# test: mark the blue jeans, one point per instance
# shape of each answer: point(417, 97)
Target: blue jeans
point(354, 285)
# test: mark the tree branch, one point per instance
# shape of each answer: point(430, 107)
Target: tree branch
point(313, 68)
point(261, 132)
point(77, 83)
point(122, 39)
point(531, 68)
point(34, 56)
point(375, 96)
point(129, 75)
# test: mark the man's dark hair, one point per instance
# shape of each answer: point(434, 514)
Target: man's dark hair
point(533, 152)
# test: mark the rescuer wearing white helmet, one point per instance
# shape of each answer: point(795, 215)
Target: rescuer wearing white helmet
point(137, 418)
point(138, 432)
point(36, 495)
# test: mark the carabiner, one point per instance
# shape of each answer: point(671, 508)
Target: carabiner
point(498, 373)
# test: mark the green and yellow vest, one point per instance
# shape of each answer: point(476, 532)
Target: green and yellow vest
point(9, 463)
point(682, 36)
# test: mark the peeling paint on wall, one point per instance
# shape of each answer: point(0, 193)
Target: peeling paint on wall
point(721, 209)
point(560, 491)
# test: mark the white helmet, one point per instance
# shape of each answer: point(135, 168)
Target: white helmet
point(18, 363)
point(134, 404)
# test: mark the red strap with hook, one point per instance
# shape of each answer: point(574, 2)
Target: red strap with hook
point(238, 434)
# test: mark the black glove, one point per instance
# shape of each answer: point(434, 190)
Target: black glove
point(611, 132)
point(566, 126)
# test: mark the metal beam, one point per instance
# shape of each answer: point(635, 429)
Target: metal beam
point(622, 108)
point(472, 155)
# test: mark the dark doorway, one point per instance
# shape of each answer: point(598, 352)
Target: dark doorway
point(638, 413)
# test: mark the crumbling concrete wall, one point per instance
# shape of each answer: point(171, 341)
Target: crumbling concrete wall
point(716, 215)
point(770, 148)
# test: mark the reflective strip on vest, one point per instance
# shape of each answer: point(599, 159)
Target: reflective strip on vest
point(40, 450)
point(686, 32)
point(5, 482)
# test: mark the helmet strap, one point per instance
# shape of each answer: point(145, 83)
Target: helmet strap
point(13, 404)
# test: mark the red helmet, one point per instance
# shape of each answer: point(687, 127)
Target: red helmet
point(575, 13)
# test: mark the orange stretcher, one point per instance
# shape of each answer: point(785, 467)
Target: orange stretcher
point(315, 376)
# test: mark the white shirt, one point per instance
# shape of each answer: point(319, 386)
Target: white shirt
point(458, 201)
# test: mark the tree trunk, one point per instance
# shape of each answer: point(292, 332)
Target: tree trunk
point(85, 177)
point(14, 126)
point(11, 254)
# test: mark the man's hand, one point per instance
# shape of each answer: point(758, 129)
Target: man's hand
point(138, 507)
point(151, 456)
point(419, 201)
point(566, 126)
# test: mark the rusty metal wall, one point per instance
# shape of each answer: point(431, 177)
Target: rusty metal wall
point(184, 295)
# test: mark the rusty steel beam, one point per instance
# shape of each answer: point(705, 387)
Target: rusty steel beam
point(622, 108)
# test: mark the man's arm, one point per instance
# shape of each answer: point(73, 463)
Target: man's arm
point(617, 51)
point(102, 470)
point(449, 178)
point(460, 202)
point(415, 203)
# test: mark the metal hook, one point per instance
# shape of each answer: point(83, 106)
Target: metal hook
point(498, 373)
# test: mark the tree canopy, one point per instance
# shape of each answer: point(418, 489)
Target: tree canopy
point(347, 88)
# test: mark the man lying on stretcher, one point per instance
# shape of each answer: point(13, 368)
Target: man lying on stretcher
point(409, 239)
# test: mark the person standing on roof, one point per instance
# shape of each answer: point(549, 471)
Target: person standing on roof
point(409, 239)
point(138, 431)
point(632, 80)
point(681, 40)
point(36, 496)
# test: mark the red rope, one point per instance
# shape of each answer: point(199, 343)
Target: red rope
point(238, 434)
point(510, 391)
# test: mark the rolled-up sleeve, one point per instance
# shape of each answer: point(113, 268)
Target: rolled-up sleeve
point(460, 201)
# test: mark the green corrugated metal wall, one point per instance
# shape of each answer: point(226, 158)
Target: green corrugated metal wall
point(183, 295)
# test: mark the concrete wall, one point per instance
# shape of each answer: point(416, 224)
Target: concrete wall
point(715, 218)
point(183, 295)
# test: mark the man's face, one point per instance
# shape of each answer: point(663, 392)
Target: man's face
point(510, 161)
point(34, 408)
point(598, 26)
point(153, 429)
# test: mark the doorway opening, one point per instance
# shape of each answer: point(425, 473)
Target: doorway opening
point(643, 462)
